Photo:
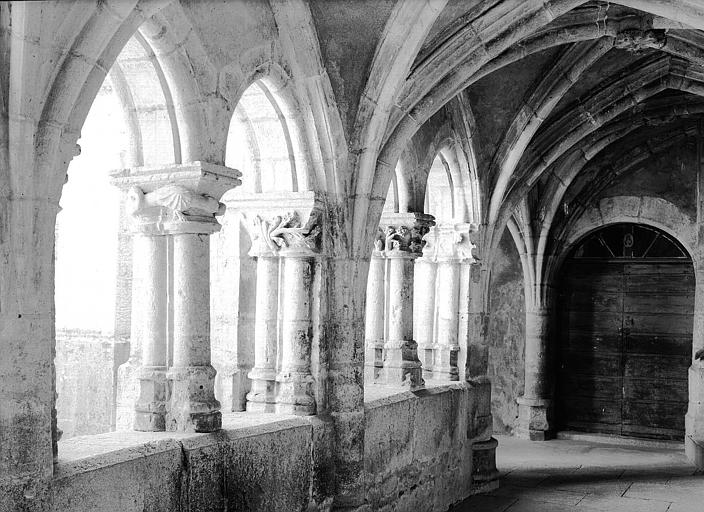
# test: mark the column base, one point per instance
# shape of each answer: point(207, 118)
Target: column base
point(150, 409)
point(262, 397)
point(295, 395)
point(535, 419)
point(373, 358)
point(232, 386)
point(193, 407)
point(401, 365)
point(445, 367)
point(484, 461)
point(694, 420)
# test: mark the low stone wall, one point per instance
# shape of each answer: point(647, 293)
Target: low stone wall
point(418, 454)
point(418, 449)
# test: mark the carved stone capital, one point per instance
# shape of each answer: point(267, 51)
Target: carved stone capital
point(475, 239)
point(455, 243)
point(179, 198)
point(173, 208)
point(430, 247)
point(403, 233)
point(286, 233)
point(281, 223)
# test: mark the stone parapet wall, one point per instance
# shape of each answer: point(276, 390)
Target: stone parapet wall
point(417, 455)
point(418, 448)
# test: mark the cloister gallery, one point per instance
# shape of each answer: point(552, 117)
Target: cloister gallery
point(314, 254)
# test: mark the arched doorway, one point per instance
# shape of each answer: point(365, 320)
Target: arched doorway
point(625, 335)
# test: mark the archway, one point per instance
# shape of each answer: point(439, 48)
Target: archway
point(626, 305)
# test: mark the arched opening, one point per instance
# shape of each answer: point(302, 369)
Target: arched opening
point(129, 124)
point(626, 305)
point(260, 143)
point(263, 143)
point(440, 191)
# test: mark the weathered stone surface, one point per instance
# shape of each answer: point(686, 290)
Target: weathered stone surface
point(507, 336)
point(427, 464)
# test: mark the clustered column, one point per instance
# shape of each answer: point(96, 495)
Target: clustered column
point(398, 245)
point(173, 211)
point(442, 303)
point(286, 252)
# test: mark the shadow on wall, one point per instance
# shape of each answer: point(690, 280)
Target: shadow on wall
point(506, 335)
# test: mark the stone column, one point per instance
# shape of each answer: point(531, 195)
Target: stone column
point(297, 245)
point(453, 247)
point(193, 407)
point(148, 329)
point(403, 244)
point(262, 397)
point(535, 406)
point(374, 320)
point(424, 285)
point(295, 393)
point(694, 420)
point(177, 202)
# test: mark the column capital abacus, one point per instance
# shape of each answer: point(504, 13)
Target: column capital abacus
point(404, 233)
point(176, 199)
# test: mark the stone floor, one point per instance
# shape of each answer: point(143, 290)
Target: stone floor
point(580, 476)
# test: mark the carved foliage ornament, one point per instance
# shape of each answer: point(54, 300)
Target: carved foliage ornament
point(287, 232)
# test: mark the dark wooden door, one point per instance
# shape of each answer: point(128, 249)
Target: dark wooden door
point(624, 346)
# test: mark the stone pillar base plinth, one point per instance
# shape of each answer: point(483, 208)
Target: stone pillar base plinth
point(535, 419)
point(295, 395)
point(262, 396)
point(694, 420)
point(484, 461)
point(401, 365)
point(150, 409)
point(445, 366)
point(373, 361)
point(193, 407)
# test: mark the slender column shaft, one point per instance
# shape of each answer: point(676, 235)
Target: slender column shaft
point(374, 323)
point(694, 420)
point(424, 310)
point(295, 394)
point(401, 364)
point(262, 397)
point(149, 329)
point(477, 348)
point(463, 316)
point(447, 335)
point(193, 404)
point(400, 298)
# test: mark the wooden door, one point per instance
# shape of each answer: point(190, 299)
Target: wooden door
point(624, 345)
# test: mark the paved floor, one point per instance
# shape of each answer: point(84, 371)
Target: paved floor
point(579, 476)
